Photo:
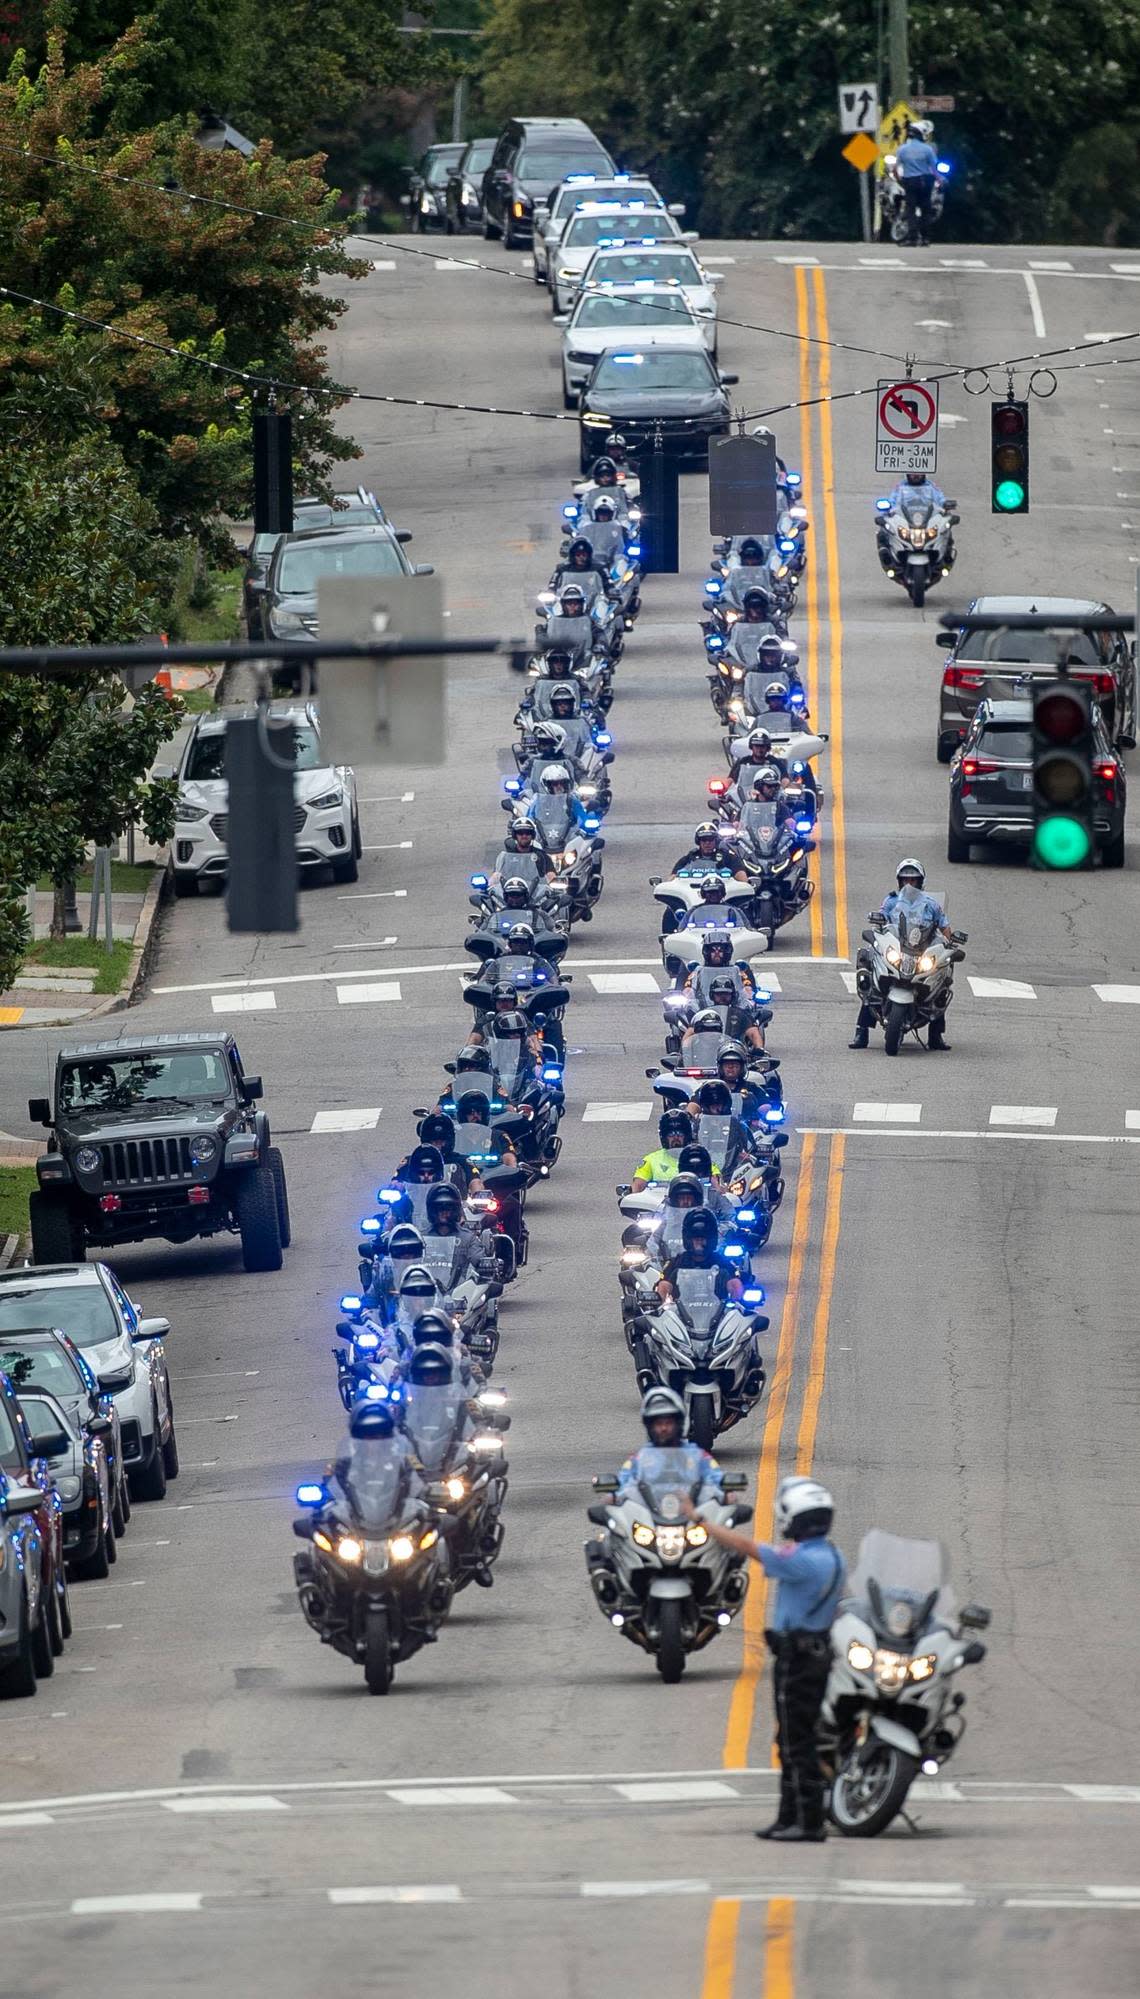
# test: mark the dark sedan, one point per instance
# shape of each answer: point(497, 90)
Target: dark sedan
point(463, 195)
point(675, 391)
point(991, 784)
point(427, 186)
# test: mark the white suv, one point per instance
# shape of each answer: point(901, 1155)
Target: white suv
point(126, 1352)
point(326, 817)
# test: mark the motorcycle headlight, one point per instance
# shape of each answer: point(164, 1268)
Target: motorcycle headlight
point(932, 534)
point(87, 1159)
point(904, 534)
point(923, 1667)
point(643, 1536)
point(696, 1534)
point(327, 800)
point(402, 1548)
point(927, 962)
point(634, 1259)
point(860, 1656)
point(456, 1488)
point(186, 813)
point(892, 954)
point(349, 1549)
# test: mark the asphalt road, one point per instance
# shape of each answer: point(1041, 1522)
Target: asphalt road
point(952, 1296)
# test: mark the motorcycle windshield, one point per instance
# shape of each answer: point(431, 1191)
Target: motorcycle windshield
point(715, 1134)
point(903, 1583)
point(757, 683)
point(576, 634)
point(760, 819)
point(587, 580)
point(913, 933)
point(511, 1061)
point(434, 1417)
point(699, 1051)
point(605, 538)
point(917, 517)
point(474, 1142)
point(522, 866)
point(665, 1475)
point(440, 1257)
point(372, 1473)
point(696, 1295)
point(554, 820)
point(523, 972)
point(746, 642)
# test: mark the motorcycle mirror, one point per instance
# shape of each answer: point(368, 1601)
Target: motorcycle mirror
point(449, 1068)
point(623, 1187)
point(599, 1515)
point(974, 1653)
point(506, 805)
point(604, 1482)
point(303, 1529)
point(654, 882)
point(956, 957)
point(810, 846)
point(365, 1251)
point(868, 936)
point(779, 1139)
point(740, 1516)
point(344, 1329)
point(953, 519)
point(734, 1481)
point(598, 845)
point(975, 1616)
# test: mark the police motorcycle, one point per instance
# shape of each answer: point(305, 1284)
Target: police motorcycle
point(586, 768)
point(739, 677)
point(660, 1580)
point(574, 850)
point(374, 1580)
point(458, 1439)
point(540, 991)
point(551, 670)
point(532, 1095)
point(890, 1710)
point(915, 544)
point(705, 1348)
point(906, 974)
point(894, 219)
point(372, 1351)
point(585, 488)
point(603, 606)
point(792, 749)
point(544, 906)
point(775, 853)
point(573, 653)
point(616, 549)
point(681, 944)
point(720, 619)
point(773, 575)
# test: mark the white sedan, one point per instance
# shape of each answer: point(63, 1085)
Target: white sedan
point(612, 316)
point(623, 264)
point(550, 221)
point(604, 222)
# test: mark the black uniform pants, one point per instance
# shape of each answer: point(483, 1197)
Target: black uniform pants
point(917, 190)
point(800, 1677)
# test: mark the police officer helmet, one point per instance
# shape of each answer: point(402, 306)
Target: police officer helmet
point(759, 739)
point(520, 937)
point(521, 825)
point(910, 871)
point(699, 1229)
point(696, 1159)
point(750, 549)
point(916, 478)
point(776, 694)
point(579, 547)
point(558, 661)
point(432, 1329)
point(755, 605)
point(722, 992)
point(473, 1058)
point(572, 593)
point(507, 996)
point(405, 1241)
point(472, 1108)
point(565, 691)
point(605, 472)
point(425, 1163)
point(684, 1191)
point(516, 894)
point(431, 1365)
point(554, 777)
point(510, 1025)
point(616, 446)
point(716, 948)
point(444, 1201)
point(707, 830)
point(437, 1129)
point(661, 1405)
point(804, 1509)
point(766, 783)
point(770, 646)
point(549, 739)
point(418, 1282)
point(707, 1021)
point(714, 1098)
point(372, 1420)
point(712, 889)
point(604, 509)
point(731, 1051)
point(674, 1124)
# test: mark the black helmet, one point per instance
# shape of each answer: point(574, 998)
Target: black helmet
point(405, 1241)
point(755, 606)
point(580, 546)
point(516, 894)
point(700, 1226)
point(437, 1129)
point(707, 830)
point(509, 1025)
point(716, 947)
point(431, 1366)
point(684, 1185)
point(675, 1124)
point(472, 1108)
point(712, 889)
point(750, 549)
point(372, 1419)
point(418, 1282)
point(433, 1329)
point(507, 995)
point(722, 992)
point(696, 1159)
point(759, 742)
point(605, 472)
point(425, 1163)
point(473, 1058)
point(714, 1098)
point(616, 446)
point(519, 825)
point(572, 593)
point(916, 478)
point(558, 661)
point(444, 1201)
point(731, 1051)
point(520, 937)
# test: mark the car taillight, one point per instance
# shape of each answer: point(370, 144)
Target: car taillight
point(969, 679)
point(979, 766)
point(1105, 771)
point(1103, 685)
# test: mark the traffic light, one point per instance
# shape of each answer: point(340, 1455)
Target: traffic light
point(1062, 773)
point(1009, 457)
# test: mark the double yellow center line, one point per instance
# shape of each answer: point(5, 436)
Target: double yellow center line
point(813, 1255)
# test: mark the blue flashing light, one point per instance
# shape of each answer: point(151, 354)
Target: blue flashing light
point(628, 360)
point(310, 1495)
point(479, 881)
point(803, 825)
point(753, 1296)
point(496, 1103)
point(351, 1303)
point(603, 739)
point(735, 1249)
point(513, 785)
point(796, 697)
point(713, 586)
point(882, 506)
point(390, 1194)
point(375, 1391)
point(792, 479)
point(762, 995)
point(591, 822)
point(634, 548)
point(798, 769)
point(746, 1214)
point(774, 1114)
point(570, 512)
point(787, 545)
point(551, 1073)
point(366, 1341)
point(370, 1225)
point(714, 643)
point(943, 166)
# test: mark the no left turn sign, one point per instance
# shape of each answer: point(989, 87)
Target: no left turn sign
point(906, 437)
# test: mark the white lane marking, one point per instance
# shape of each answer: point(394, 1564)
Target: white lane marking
point(848, 980)
point(846, 1900)
point(345, 1121)
point(137, 1905)
point(657, 1888)
point(405, 1893)
point(795, 260)
point(1105, 1794)
point(455, 264)
point(934, 1792)
point(390, 847)
point(601, 1113)
point(389, 798)
point(264, 1002)
point(374, 895)
point(1118, 995)
point(1126, 270)
point(1120, 334)
point(905, 1131)
point(1051, 264)
point(41, 1818)
point(408, 971)
point(374, 943)
point(930, 322)
point(897, 264)
point(1001, 988)
point(378, 990)
point(624, 982)
point(903, 1890)
point(963, 263)
point(1124, 1894)
point(383, 263)
point(725, 260)
point(677, 1793)
point(1035, 304)
point(1132, 1120)
point(887, 1113)
point(254, 1801)
point(1061, 1902)
point(1044, 1115)
point(948, 416)
point(452, 1794)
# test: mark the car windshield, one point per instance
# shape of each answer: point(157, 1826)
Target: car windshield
point(622, 267)
point(301, 568)
point(552, 163)
point(1029, 648)
point(262, 546)
point(48, 1366)
point(587, 230)
point(83, 1311)
point(354, 514)
point(206, 762)
point(477, 158)
point(437, 166)
point(611, 309)
point(10, 1459)
point(116, 1082)
point(655, 369)
point(1011, 745)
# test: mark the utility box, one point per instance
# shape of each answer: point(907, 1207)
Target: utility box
point(742, 484)
point(382, 711)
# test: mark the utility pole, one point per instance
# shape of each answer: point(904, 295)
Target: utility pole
point(898, 50)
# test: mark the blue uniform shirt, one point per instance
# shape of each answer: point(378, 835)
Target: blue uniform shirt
point(915, 157)
point(926, 495)
point(923, 909)
point(810, 1575)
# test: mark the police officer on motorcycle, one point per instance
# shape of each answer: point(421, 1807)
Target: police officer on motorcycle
point(699, 1251)
point(910, 899)
point(712, 844)
point(663, 1414)
point(675, 1131)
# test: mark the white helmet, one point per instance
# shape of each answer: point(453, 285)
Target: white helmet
point(662, 1402)
point(552, 774)
point(911, 868)
point(804, 1508)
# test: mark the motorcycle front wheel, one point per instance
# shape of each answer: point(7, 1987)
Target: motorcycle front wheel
point(917, 590)
point(869, 1792)
point(671, 1642)
point(894, 1025)
point(702, 1424)
point(377, 1653)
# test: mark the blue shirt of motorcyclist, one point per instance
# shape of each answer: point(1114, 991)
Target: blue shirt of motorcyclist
point(685, 1463)
point(919, 908)
point(915, 158)
point(809, 1577)
point(926, 495)
point(574, 806)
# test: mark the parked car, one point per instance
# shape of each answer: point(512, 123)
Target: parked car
point(126, 1352)
point(77, 1462)
point(326, 816)
point(427, 185)
point(674, 392)
point(531, 156)
point(348, 510)
point(995, 663)
point(552, 215)
point(35, 1610)
point(301, 560)
point(463, 195)
point(991, 784)
point(156, 1136)
point(41, 1359)
point(645, 315)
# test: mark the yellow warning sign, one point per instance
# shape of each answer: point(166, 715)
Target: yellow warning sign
point(861, 151)
point(892, 130)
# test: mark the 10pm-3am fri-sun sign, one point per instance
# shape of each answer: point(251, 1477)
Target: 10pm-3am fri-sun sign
point(906, 434)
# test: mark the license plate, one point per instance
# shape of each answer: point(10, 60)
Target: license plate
point(1021, 780)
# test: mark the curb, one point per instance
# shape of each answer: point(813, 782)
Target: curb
point(142, 952)
point(9, 1247)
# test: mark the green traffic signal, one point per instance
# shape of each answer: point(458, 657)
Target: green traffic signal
point(1061, 843)
point(1009, 496)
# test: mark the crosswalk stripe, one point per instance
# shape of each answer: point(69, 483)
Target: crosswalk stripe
point(138, 1905)
point(345, 1121)
point(887, 1113)
point(1001, 988)
point(623, 982)
point(405, 1893)
point(378, 991)
point(629, 1113)
point(244, 1002)
point(1118, 995)
point(1041, 1115)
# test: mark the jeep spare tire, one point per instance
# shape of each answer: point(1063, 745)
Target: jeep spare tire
point(255, 1205)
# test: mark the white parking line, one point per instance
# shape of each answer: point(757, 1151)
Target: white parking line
point(600, 1113)
point(1042, 1115)
point(997, 1131)
point(624, 982)
point(1132, 1120)
point(345, 1121)
point(963, 263)
point(453, 1794)
point(39, 1818)
point(1118, 995)
point(380, 990)
point(405, 1894)
point(599, 1888)
point(390, 847)
point(887, 1113)
point(389, 798)
point(138, 1905)
point(244, 1002)
point(383, 263)
point(1001, 988)
point(675, 1794)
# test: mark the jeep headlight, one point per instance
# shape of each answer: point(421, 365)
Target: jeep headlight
point(69, 1489)
point(203, 1150)
point(87, 1160)
point(286, 621)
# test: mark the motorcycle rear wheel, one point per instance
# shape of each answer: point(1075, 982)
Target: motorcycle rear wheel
point(894, 1025)
point(671, 1643)
point(377, 1653)
point(866, 1796)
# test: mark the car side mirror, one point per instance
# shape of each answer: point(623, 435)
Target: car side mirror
point(728, 381)
point(945, 640)
point(22, 1499)
point(403, 534)
point(604, 1482)
point(100, 1426)
point(560, 319)
point(53, 1443)
point(734, 1481)
point(690, 235)
point(151, 1329)
point(251, 1089)
point(423, 569)
point(975, 1617)
point(164, 771)
point(39, 1110)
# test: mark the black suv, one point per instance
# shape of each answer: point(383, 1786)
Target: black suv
point(531, 157)
point(156, 1137)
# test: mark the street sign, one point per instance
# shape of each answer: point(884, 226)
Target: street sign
point(858, 107)
point(861, 151)
point(742, 485)
point(906, 438)
point(928, 104)
point(892, 130)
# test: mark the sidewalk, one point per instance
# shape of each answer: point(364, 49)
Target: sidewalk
point(53, 995)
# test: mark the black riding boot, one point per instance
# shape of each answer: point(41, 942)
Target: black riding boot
point(863, 1024)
